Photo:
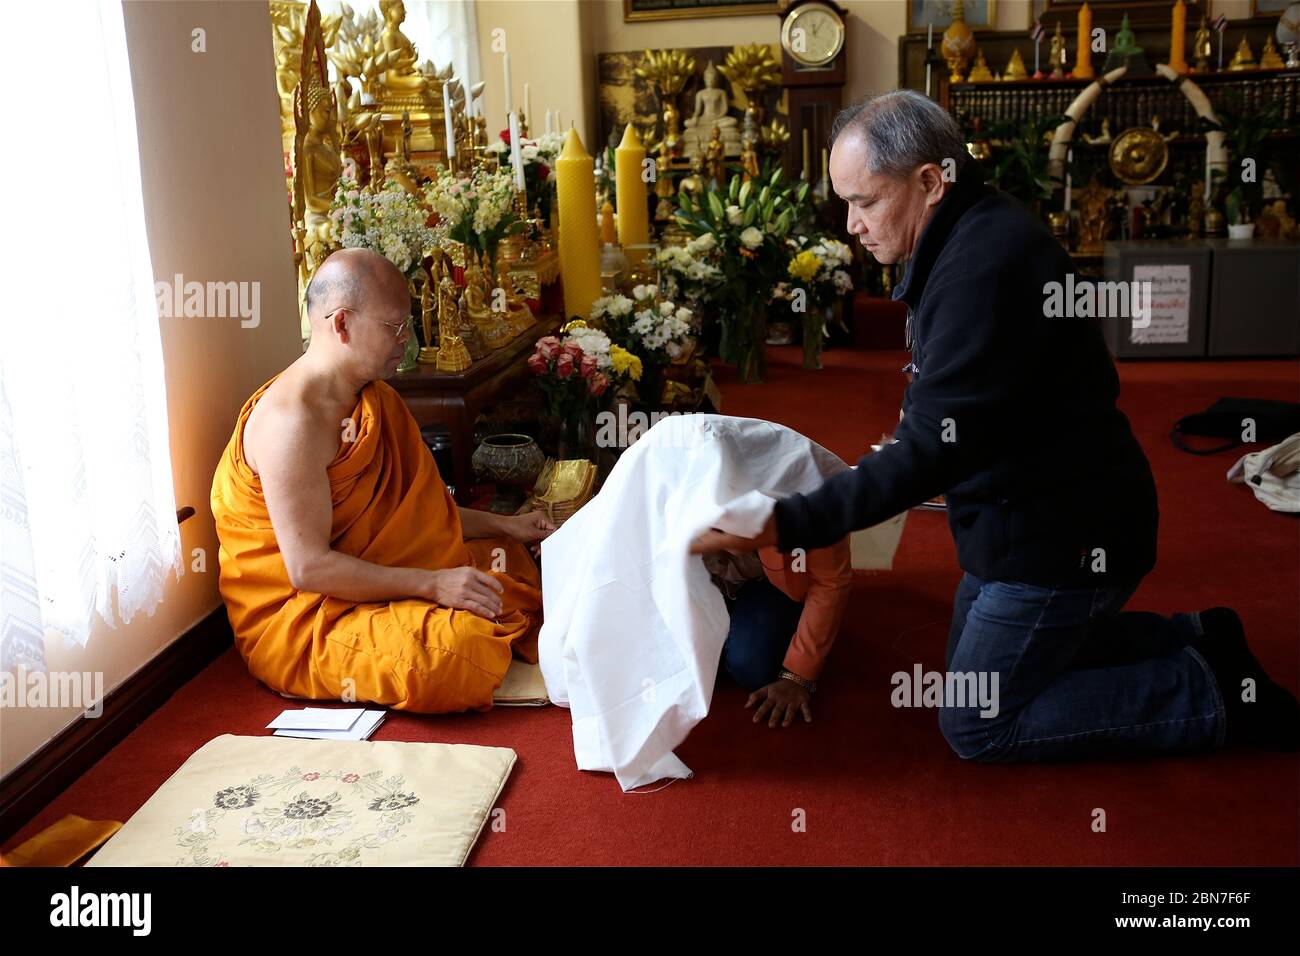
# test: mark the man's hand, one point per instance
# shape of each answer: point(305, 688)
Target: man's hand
point(714, 540)
point(781, 701)
point(466, 589)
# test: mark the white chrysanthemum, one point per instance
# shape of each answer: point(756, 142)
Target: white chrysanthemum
point(592, 342)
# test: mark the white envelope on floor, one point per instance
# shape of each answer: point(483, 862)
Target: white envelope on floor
point(633, 627)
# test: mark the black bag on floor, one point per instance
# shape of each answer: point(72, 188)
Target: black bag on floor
point(1273, 420)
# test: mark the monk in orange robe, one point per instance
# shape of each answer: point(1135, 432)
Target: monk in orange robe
point(347, 570)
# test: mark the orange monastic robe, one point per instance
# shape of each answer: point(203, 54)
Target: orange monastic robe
point(390, 508)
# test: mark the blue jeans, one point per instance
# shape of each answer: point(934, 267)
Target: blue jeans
point(763, 620)
point(1075, 676)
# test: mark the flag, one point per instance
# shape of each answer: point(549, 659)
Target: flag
point(1036, 33)
point(1221, 22)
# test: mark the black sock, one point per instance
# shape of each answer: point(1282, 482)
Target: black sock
point(1272, 718)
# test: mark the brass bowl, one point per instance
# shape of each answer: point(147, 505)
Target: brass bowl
point(510, 459)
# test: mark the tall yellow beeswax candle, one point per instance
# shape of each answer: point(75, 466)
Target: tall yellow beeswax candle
point(1083, 60)
point(579, 243)
point(629, 159)
point(1178, 39)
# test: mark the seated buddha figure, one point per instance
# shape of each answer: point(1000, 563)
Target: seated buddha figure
point(711, 111)
point(492, 326)
point(402, 77)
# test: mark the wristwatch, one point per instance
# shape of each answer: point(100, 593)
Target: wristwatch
point(805, 683)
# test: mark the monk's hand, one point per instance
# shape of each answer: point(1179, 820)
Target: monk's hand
point(528, 527)
point(713, 540)
point(467, 589)
point(780, 702)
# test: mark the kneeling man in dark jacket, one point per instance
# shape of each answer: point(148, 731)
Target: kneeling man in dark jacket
point(1051, 502)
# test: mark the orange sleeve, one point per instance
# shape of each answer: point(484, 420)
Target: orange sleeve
point(830, 577)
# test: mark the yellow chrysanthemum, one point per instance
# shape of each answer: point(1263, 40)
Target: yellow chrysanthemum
point(805, 266)
point(625, 363)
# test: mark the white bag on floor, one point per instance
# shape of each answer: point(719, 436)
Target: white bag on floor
point(1272, 474)
point(634, 628)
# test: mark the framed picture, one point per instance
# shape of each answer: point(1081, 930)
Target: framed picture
point(1261, 8)
point(634, 10)
point(922, 14)
point(1104, 12)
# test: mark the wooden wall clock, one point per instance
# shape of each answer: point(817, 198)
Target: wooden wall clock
point(813, 73)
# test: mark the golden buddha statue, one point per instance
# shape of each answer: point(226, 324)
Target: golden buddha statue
point(1093, 217)
point(749, 160)
point(375, 148)
point(1202, 47)
point(491, 325)
point(452, 354)
point(401, 77)
point(1269, 58)
point(1244, 59)
point(320, 158)
point(693, 185)
point(715, 159)
point(519, 316)
point(980, 73)
point(1059, 56)
point(663, 189)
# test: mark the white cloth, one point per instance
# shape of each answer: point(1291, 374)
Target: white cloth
point(1272, 474)
point(85, 463)
point(634, 627)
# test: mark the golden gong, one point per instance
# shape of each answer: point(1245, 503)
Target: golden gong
point(1138, 155)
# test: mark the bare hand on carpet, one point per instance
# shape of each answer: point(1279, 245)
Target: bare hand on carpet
point(783, 700)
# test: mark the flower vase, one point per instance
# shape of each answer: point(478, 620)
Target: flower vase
point(814, 333)
point(650, 388)
point(748, 332)
point(569, 437)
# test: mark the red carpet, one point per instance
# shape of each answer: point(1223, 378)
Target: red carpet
point(876, 785)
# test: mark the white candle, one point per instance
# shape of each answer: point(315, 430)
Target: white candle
point(528, 105)
point(1069, 181)
point(516, 159)
point(505, 60)
point(559, 123)
point(548, 121)
point(446, 115)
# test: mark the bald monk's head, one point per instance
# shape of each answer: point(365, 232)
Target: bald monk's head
point(359, 306)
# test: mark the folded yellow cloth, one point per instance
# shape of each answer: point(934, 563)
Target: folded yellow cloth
point(63, 843)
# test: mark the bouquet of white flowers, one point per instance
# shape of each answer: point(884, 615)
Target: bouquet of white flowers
point(816, 280)
point(389, 222)
point(477, 211)
point(686, 270)
point(655, 332)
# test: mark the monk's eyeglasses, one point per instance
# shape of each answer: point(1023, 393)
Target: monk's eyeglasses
point(403, 328)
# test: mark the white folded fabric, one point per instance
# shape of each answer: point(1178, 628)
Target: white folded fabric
point(1272, 474)
point(634, 627)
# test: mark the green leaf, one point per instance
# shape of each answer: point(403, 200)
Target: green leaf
point(776, 176)
point(764, 195)
point(743, 197)
point(734, 191)
point(803, 192)
point(750, 214)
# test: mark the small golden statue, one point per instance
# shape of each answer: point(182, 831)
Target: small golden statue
point(749, 160)
point(979, 73)
point(519, 316)
point(1269, 59)
point(1196, 209)
point(452, 355)
point(375, 148)
point(1093, 219)
point(1015, 67)
point(428, 353)
point(490, 324)
point(1202, 47)
point(1244, 58)
point(663, 189)
point(1058, 54)
point(693, 185)
point(715, 159)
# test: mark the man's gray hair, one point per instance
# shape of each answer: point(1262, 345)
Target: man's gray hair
point(903, 129)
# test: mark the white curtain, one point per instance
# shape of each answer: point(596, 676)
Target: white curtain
point(89, 525)
point(442, 30)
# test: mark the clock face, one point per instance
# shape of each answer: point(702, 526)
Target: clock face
point(813, 35)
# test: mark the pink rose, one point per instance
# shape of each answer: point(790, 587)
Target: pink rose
point(588, 365)
point(564, 365)
point(537, 363)
point(597, 384)
point(573, 349)
point(548, 346)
